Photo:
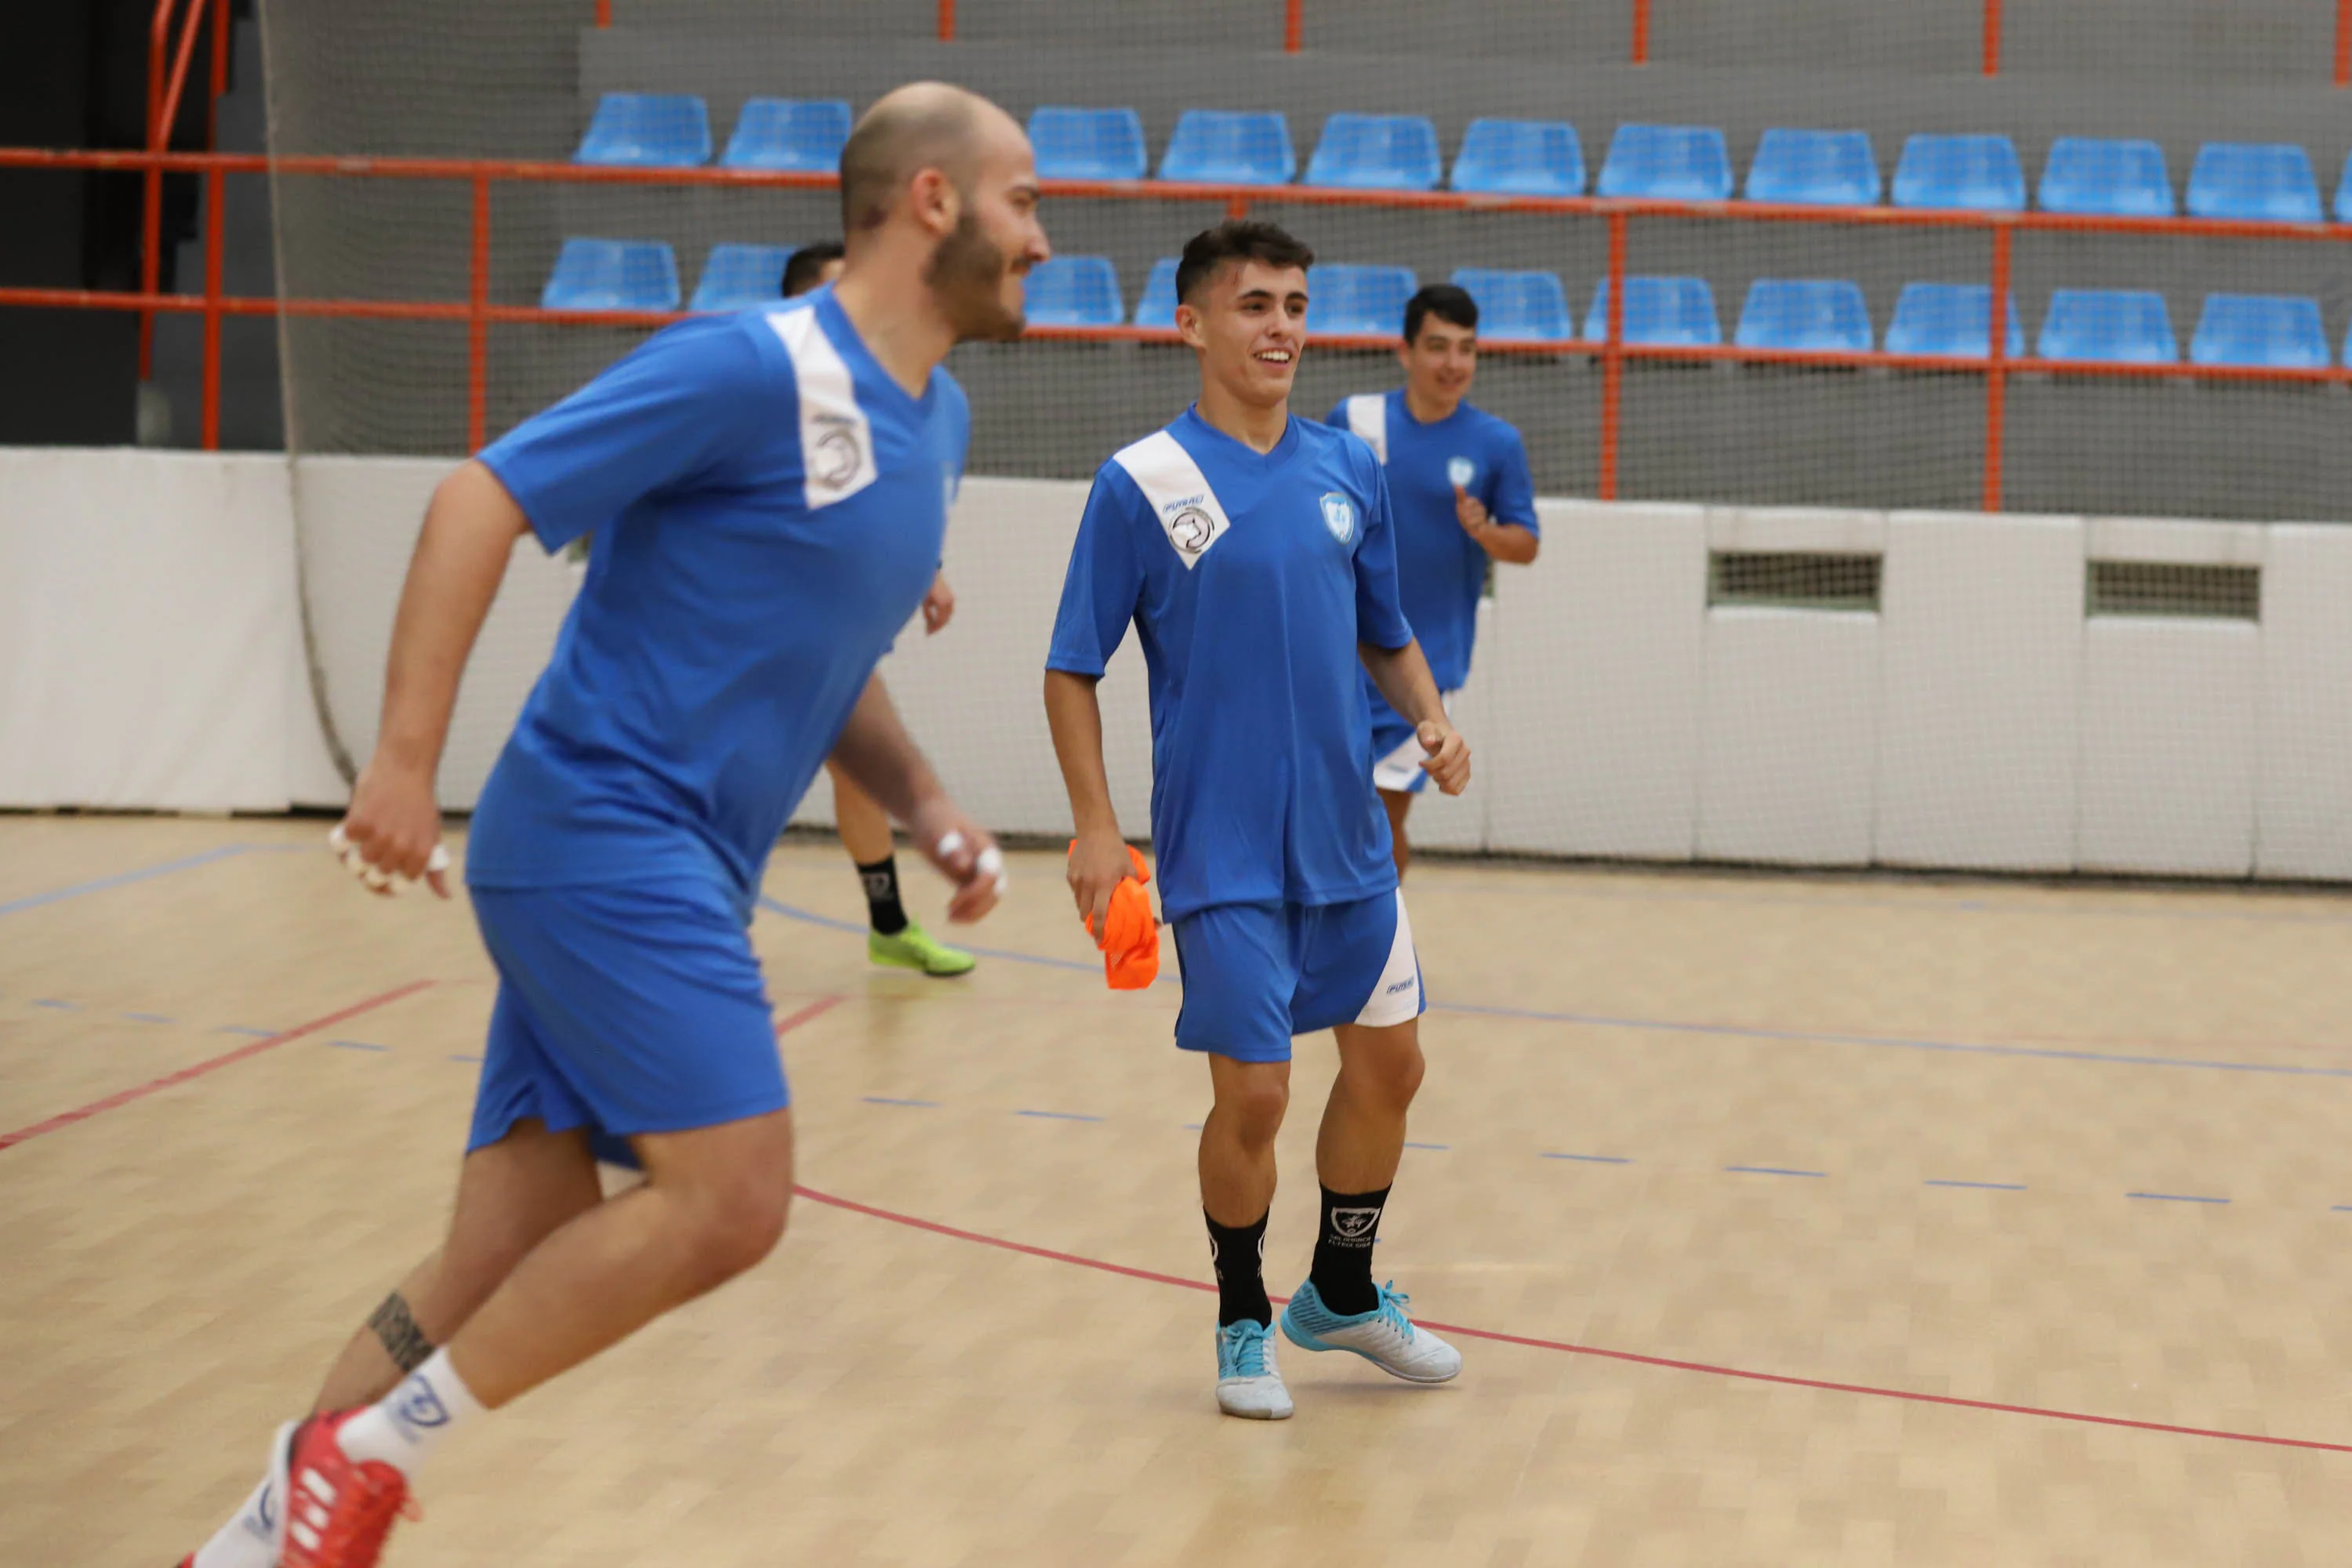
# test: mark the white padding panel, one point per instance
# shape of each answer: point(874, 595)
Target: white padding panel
point(1441, 821)
point(2169, 741)
point(974, 695)
point(1982, 663)
point(2303, 805)
point(1596, 659)
point(1788, 769)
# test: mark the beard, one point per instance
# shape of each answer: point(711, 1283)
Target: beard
point(966, 275)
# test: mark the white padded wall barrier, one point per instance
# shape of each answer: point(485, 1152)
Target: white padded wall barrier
point(2303, 806)
point(1981, 655)
point(1440, 821)
point(1597, 656)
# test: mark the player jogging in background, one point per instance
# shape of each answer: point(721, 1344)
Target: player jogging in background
point(1252, 552)
point(1459, 488)
point(768, 492)
point(894, 937)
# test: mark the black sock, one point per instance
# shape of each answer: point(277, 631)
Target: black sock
point(1238, 1253)
point(1343, 1272)
point(881, 879)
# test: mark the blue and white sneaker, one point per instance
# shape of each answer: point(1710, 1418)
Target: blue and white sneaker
point(1248, 1382)
point(1383, 1336)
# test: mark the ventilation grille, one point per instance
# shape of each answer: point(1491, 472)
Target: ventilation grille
point(2168, 588)
point(1792, 580)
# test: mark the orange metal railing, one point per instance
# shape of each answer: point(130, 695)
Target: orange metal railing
point(163, 108)
point(1612, 351)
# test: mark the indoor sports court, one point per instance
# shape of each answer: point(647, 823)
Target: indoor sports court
point(1887, 1043)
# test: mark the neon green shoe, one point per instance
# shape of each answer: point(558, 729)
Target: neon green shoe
point(917, 949)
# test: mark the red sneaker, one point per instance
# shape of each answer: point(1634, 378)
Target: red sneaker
point(338, 1511)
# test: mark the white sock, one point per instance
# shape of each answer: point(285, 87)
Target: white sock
point(409, 1423)
point(249, 1539)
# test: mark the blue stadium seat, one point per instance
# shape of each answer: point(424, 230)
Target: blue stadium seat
point(1677, 162)
point(1075, 292)
point(1157, 307)
point(1366, 301)
point(1225, 147)
point(1517, 307)
point(1520, 158)
point(1816, 315)
point(1087, 143)
point(2129, 324)
point(2282, 331)
point(1677, 311)
point(2123, 179)
point(1376, 151)
point(2344, 193)
point(1953, 319)
point(612, 275)
point(2267, 181)
point(791, 134)
point(647, 130)
point(741, 277)
point(1977, 172)
point(1830, 168)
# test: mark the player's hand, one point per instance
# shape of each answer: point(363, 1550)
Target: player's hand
point(1449, 755)
point(1471, 512)
point(1099, 863)
point(966, 854)
point(391, 833)
point(939, 606)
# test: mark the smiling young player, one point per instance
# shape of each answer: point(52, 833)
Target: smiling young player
point(1252, 552)
point(769, 490)
point(1458, 484)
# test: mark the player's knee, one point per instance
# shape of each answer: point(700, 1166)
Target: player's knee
point(1257, 1108)
point(1391, 1077)
point(736, 1222)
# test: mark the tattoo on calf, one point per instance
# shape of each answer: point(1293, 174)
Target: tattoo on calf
point(395, 1328)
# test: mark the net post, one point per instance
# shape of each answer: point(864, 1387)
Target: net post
point(216, 189)
point(159, 38)
point(947, 21)
point(1293, 25)
point(1997, 367)
point(604, 13)
point(477, 320)
point(219, 76)
point(1992, 37)
point(1237, 205)
point(1613, 359)
point(1640, 32)
point(2344, 43)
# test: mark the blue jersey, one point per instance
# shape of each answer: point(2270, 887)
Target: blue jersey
point(1440, 568)
point(768, 506)
point(1251, 579)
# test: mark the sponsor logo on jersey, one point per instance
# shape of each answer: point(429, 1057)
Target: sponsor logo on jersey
point(1190, 528)
point(1339, 515)
point(835, 459)
point(1460, 471)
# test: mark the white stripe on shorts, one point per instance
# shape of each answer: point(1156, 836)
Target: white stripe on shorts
point(1396, 996)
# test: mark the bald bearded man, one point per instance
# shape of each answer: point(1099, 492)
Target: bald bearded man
point(767, 492)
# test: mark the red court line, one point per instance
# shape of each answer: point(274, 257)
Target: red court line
point(822, 1005)
point(1910, 1397)
point(228, 1058)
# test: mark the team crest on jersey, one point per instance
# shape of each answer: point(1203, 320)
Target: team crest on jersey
point(1190, 528)
point(1460, 471)
point(1339, 515)
point(834, 460)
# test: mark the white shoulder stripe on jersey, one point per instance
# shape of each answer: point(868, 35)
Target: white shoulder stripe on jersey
point(1178, 494)
point(836, 441)
point(1367, 416)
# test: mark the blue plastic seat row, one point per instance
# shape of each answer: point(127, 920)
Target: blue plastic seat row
point(672, 131)
point(1808, 315)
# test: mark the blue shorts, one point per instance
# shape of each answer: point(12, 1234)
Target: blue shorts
point(1396, 749)
point(623, 1010)
point(1255, 974)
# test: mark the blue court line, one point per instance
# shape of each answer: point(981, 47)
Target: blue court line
point(1411, 1144)
point(2176, 1197)
point(1591, 1159)
point(1058, 1115)
point(1729, 1031)
point(1959, 906)
point(53, 1001)
point(59, 895)
point(357, 1045)
point(465, 1058)
point(1987, 1186)
point(886, 1100)
point(149, 1018)
point(241, 1029)
point(1771, 1171)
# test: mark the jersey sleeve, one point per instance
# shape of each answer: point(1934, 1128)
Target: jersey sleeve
point(1379, 614)
point(1103, 585)
point(1338, 417)
point(1514, 492)
point(660, 416)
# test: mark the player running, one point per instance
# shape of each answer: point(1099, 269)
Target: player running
point(767, 492)
point(893, 936)
point(1251, 551)
point(1458, 484)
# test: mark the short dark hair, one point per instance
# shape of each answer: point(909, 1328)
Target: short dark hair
point(804, 269)
point(1449, 304)
point(1236, 239)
